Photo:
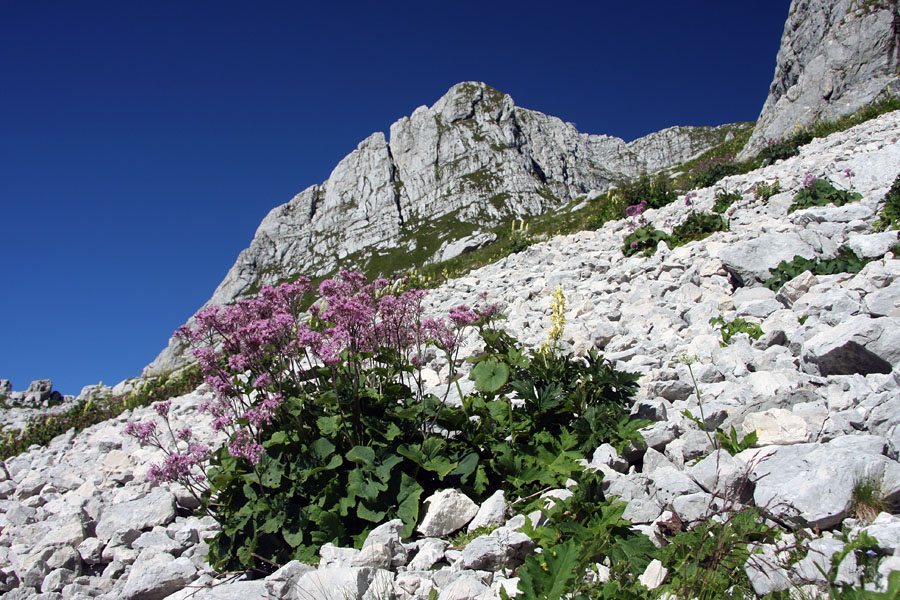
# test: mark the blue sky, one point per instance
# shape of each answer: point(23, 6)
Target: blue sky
point(141, 143)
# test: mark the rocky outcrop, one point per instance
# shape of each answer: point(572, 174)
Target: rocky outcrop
point(450, 171)
point(40, 399)
point(835, 57)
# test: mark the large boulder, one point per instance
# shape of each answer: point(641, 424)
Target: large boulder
point(156, 508)
point(751, 261)
point(860, 344)
point(811, 485)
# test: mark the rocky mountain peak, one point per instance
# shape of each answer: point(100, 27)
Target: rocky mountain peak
point(448, 174)
point(834, 58)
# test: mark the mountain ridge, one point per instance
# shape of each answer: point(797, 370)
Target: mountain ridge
point(444, 174)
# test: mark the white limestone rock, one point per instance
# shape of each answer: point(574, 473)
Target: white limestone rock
point(155, 575)
point(448, 511)
point(492, 512)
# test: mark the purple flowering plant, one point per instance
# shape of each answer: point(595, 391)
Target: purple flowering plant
point(329, 428)
point(817, 191)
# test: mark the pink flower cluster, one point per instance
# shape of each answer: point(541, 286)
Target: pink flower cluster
point(185, 460)
point(270, 345)
point(636, 210)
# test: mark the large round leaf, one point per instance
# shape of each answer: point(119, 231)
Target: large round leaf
point(490, 375)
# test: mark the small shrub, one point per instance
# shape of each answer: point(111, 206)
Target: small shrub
point(519, 239)
point(724, 200)
point(708, 172)
point(643, 239)
point(329, 431)
point(868, 498)
point(581, 531)
point(610, 207)
point(697, 226)
point(820, 192)
point(763, 191)
point(846, 261)
point(782, 149)
point(729, 329)
point(889, 216)
point(707, 561)
point(655, 192)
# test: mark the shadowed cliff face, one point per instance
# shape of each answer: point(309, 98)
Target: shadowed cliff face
point(835, 57)
point(468, 162)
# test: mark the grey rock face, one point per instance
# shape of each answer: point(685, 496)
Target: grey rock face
point(750, 261)
point(811, 485)
point(157, 508)
point(156, 575)
point(470, 159)
point(860, 344)
point(835, 57)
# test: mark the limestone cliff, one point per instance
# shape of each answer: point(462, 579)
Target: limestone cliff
point(466, 163)
point(835, 57)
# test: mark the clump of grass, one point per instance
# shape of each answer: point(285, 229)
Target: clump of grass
point(868, 498)
point(889, 217)
point(821, 192)
point(763, 191)
point(697, 226)
point(462, 538)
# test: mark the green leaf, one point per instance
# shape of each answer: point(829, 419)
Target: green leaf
point(392, 432)
point(329, 425)
point(490, 375)
point(322, 448)
point(279, 437)
point(466, 466)
point(383, 471)
point(408, 508)
point(364, 512)
point(362, 455)
point(547, 575)
point(271, 477)
point(272, 524)
point(293, 539)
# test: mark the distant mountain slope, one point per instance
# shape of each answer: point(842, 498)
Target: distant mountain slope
point(468, 162)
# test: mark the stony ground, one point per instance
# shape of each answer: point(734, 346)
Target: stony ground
point(820, 388)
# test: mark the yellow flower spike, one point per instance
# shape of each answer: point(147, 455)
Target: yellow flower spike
point(558, 320)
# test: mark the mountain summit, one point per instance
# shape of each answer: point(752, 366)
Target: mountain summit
point(448, 172)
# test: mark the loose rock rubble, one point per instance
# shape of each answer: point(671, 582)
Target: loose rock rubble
point(820, 388)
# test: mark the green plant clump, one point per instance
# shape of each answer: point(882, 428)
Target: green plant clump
point(729, 329)
point(724, 200)
point(846, 261)
point(889, 216)
point(326, 453)
point(820, 192)
point(643, 239)
point(868, 498)
point(763, 191)
point(609, 207)
point(707, 173)
point(697, 226)
point(655, 191)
